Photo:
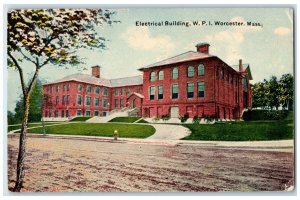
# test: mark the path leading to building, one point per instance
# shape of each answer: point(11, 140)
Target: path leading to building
point(169, 132)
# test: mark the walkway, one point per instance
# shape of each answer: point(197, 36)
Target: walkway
point(169, 132)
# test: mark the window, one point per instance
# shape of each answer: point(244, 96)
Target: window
point(201, 89)
point(68, 99)
point(116, 103)
point(222, 73)
point(122, 91)
point(122, 103)
point(161, 75)
point(245, 84)
point(79, 87)
point(97, 90)
point(104, 114)
point(96, 113)
point(87, 113)
point(56, 113)
point(67, 113)
point(57, 88)
point(96, 102)
point(160, 92)
point(190, 90)
point(88, 88)
point(64, 100)
point(190, 71)
point(104, 103)
point(50, 89)
point(64, 88)
point(57, 100)
point(68, 87)
point(62, 113)
point(128, 91)
point(87, 101)
point(152, 92)
point(217, 71)
point(175, 73)
point(78, 112)
point(79, 100)
point(175, 91)
point(152, 76)
point(200, 70)
point(116, 92)
point(105, 91)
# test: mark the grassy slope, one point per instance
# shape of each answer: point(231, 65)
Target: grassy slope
point(80, 119)
point(125, 119)
point(107, 130)
point(242, 131)
point(15, 127)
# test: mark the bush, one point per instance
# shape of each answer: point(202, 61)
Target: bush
point(165, 117)
point(209, 118)
point(196, 120)
point(156, 119)
point(184, 118)
point(252, 115)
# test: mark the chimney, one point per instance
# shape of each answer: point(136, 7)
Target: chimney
point(96, 71)
point(240, 65)
point(203, 48)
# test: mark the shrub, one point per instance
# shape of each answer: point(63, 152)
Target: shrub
point(196, 120)
point(165, 117)
point(209, 118)
point(252, 115)
point(156, 119)
point(184, 118)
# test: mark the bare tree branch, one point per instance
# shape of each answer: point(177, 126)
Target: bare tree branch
point(20, 73)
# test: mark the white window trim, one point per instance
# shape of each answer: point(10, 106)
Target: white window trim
point(80, 112)
point(86, 100)
point(171, 93)
point(87, 111)
point(95, 101)
point(77, 99)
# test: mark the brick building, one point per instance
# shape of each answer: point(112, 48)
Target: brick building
point(194, 83)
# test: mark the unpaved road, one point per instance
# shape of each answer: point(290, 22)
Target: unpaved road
point(62, 165)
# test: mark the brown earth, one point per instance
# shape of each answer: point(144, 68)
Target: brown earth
point(66, 165)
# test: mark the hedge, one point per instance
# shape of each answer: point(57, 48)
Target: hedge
point(252, 115)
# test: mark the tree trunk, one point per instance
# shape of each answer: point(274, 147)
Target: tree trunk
point(22, 148)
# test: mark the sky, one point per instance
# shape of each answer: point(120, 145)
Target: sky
point(267, 48)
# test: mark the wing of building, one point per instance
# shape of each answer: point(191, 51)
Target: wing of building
point(194, 83)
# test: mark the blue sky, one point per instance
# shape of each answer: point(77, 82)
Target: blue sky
point(268, 49)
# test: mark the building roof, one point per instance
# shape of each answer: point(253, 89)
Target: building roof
point(187, 56)
point(86, 78)
point(133, 80)
point(246, 68)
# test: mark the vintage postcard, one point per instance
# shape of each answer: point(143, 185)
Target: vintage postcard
point(150, 99)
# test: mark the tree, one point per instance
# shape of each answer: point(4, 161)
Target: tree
point(259, 98)
point(35, 109)
point(273, 93)
point(286, 97)
point(10, 117)
point(48, 36)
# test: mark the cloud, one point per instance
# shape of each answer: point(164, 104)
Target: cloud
point(282, 31)
point(141, 38)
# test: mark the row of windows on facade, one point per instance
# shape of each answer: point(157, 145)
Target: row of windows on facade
point(221, 73)
point(190, 73)
point(66, 87)
point(65, 113)
point(175, 91)
point(65, 100)
point(96, 89)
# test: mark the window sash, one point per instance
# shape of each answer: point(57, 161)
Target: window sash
point(174, 91)
point(152, 76)
point(161, 75)
point(175, 73)
point(79, 87)
point(96, 101)
point(201, 69)
point(190, 90)
point(201, 89)
point(88, 88)
point(97, 90)
point(87, 101)
point(190, 71)
point(79, 100)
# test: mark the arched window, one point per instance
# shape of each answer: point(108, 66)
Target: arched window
point(152, 76)
point(161, 75)
point(175, 73)
point(200, 69)
point(190, 71)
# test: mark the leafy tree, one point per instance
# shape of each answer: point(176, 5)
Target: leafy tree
point(48, 36)
point(10, 117)
point(259, 98)
point(286, 97)
point(35, 109)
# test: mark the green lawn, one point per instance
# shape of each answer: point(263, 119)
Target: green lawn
point(242, 131)
point(142, 121)
point(15, 127)
point(107, 130)
point(125, 119)
point(80, 119)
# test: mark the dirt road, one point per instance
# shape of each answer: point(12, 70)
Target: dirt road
point(62, 165)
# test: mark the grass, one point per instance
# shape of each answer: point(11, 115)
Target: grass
point(125, 119)
point(143, 121)
point(18, 126)
point(80, 119)
point(106, 130)
point(241, 131)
